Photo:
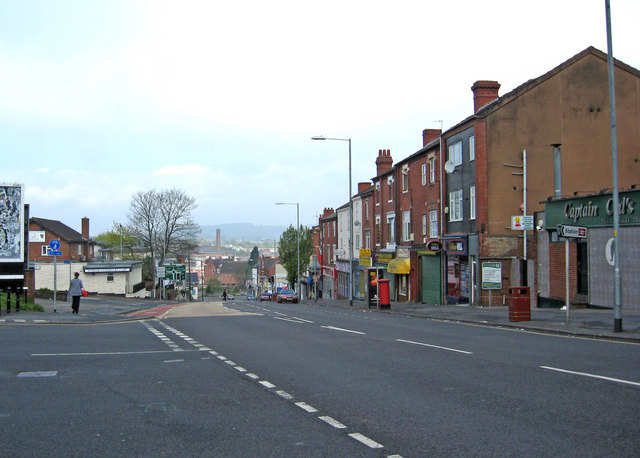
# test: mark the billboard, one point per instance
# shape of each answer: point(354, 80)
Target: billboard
point(11, 223)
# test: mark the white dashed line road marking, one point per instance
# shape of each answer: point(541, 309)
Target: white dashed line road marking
point(333, 328)
point(435, 346)
point(332, 422)
point(38, 374)
point(301, 319)
point(365, 440)
point(307, 407)
point(174, 361)
point(267, 384)
point(284, 394)
point(584, 374)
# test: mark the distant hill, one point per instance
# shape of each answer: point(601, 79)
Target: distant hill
point(242, 231)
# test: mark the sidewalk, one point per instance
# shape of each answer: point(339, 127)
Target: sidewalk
point(93, 309)
point(591, 323)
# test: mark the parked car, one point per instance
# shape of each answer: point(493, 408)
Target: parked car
point(265, 297)
point(251, 297)
point(286, 295)
point(230, 297)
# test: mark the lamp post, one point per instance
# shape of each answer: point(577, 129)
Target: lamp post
point(298, 240)
point(322, 137)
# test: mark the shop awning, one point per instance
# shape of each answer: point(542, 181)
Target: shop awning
point(399, 266)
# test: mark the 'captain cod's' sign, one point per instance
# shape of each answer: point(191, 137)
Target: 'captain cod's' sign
point(594, 211)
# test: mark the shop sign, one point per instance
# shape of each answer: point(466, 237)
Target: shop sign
point(455, 246)
point(385, 257)
point(594, 211)
point(434, 245)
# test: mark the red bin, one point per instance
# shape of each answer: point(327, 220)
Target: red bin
point(383, 293)
point(519, 303)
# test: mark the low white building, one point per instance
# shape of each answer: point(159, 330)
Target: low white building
point(120, 278)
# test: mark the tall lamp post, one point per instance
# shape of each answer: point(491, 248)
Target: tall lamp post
point(298, 240)
point(322, 137)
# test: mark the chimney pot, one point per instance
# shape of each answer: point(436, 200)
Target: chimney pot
point(484, 92)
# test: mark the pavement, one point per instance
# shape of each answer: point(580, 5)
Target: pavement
point(579, 322)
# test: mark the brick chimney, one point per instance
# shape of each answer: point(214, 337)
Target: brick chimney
point(362, 186)
point(429, 135)
point(384, 162)
point(327, 211)
point(85, 228)
point(484, 92)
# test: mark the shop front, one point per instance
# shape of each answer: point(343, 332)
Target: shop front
point(400, 267)
point(591, 251)
point(457, 276)
point(431, 273)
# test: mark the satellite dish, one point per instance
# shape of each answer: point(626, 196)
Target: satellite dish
point(449, 167)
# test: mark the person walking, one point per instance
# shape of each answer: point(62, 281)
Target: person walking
point(224, 295)
point(75, 290)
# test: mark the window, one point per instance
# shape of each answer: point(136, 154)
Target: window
point(472, 148)
point(424, 224)
point(366, 209)
point(433, 223)
point(455, 153)
point(405, 179)
point(472, 202)
point(110, 278)
point(80, 249)
point(367, 239)
point(391, 225)
point(357, 245)
point(406, 226)
point(424, 174)
point(44, 250)
point(432, 170)
point(455, 205)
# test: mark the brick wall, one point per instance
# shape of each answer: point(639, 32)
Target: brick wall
point(557, 278)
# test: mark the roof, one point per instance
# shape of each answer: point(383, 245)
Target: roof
point(530, 84)
point(58, 228)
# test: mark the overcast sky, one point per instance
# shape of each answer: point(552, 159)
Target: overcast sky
point(101, 99)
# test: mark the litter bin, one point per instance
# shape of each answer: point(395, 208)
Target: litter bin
point(519, 301)
point(383, 292)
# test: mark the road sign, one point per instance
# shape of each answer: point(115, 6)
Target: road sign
point(54, 245)
point(55, 253)
point(175, 272)
point(578, 232)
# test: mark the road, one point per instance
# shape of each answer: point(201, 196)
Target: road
point(267, 379)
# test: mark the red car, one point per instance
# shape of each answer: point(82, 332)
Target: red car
point(265, 297)
point(286, 295)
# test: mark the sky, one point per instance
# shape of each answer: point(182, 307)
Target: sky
point(102, 99)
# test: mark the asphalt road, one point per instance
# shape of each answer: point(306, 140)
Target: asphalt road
point(267, 379)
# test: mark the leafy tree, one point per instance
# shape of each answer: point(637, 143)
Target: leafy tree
point(162, 220)
point(213, 286)
point(253, 257)
point(119, 236)
point(288, 248)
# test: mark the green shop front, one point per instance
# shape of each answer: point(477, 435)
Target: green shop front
point(588, 221)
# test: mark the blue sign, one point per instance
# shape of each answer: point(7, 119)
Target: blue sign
point(55, 253)
point(54, 245)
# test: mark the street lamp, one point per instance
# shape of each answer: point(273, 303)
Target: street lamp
point(322, 137)
point(298, 239)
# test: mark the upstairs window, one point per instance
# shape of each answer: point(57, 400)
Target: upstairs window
point(432, 170)
point(455, 153)
point(472, 148)
point(424, 174)
point(455, 205)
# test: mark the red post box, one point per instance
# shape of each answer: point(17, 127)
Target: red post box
point(383, 292)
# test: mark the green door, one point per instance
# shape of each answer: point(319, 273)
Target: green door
point(431, 279)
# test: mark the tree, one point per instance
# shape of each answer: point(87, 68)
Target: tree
point(120, 236)
point(162, 220)
point(253, 257)
point(288, 247)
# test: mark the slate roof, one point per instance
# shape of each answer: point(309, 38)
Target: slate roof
point(61, 230)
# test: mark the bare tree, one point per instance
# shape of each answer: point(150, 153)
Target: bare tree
point(163, 220)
